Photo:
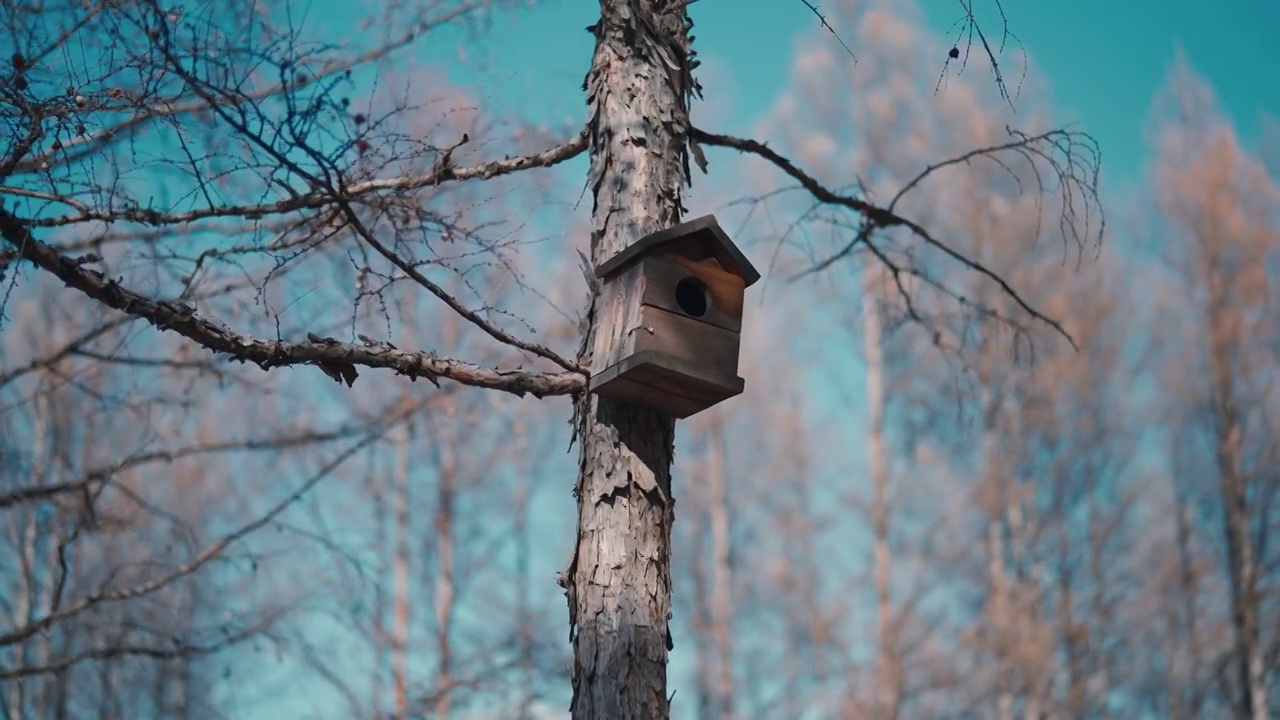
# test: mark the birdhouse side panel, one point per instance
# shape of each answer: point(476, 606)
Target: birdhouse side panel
point(723, 290)
point(619, 310)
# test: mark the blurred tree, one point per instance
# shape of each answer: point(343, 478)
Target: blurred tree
point(1222, 210)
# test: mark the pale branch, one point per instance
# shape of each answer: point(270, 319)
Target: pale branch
point(876, 218)
point(46, 197)
point(823, 19)
point(469, 315)
point(200, 559)
point(104, 474)
point(337, 359)
point(72, 347)
point(316, 199)
point(145, 362)
point(177, 650)
point(333, 185)
point(77, 148)
point(970, 26)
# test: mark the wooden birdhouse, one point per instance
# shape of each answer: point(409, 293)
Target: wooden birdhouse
point(675, 299)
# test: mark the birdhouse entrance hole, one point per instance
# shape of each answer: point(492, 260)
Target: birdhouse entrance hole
point(691, 297)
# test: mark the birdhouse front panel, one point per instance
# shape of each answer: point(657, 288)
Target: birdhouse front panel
point(675, 314)
point(700, 289)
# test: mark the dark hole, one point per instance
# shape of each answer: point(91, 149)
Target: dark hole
point(691, 297)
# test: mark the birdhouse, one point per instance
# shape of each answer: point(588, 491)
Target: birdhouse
point(674, 300)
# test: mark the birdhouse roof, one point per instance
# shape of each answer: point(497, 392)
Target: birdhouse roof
point(696, 239)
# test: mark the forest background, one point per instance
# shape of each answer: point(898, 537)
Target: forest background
point(936, 517)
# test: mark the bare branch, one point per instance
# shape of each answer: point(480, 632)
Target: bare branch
point(179, 649)
point(72, 347)
point(823, 19)
point(78, 148)
point(1077, 172)
point(453, 303)
point(197, 561)
point(319, 199)
point(104, 474)
point(331, 355)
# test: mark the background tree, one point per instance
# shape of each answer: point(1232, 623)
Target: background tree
point(1221, 205)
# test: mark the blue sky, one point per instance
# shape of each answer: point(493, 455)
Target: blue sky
point(1104, 60)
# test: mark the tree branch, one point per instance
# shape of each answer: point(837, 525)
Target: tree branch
point(467, 314)
point(81, 147)
point(442, 173)
point(178, 650)
point(336, 358)
point(1078, 173)
point(22, 632)
point(72, 347)
point(104, 474)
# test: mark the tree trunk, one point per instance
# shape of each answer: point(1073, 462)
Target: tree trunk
point(1189, 685)
point(1225, 340)
point(524, 543)
point(445, 585)
point(400, 578)
point(888, 671)
point(619, 582)
point(379, 629)
point(445, 580)
point(1000, 604)
point(721, 574)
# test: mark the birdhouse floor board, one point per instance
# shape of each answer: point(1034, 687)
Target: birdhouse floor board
point(652, 380)
point(633, 393)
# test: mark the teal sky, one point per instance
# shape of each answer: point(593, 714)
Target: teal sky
point(1104, 60)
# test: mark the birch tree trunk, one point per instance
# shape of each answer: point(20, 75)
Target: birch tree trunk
point(400, 577)
point(377, 666)
point(619, 582)
point(524, 544)
point(446, 582)
point(721, 573)
point(1187, 689)
point(888, 675)
point(1000, 607)
point(1225, 340)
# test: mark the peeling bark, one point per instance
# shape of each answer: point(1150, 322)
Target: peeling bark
point(619, 582)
